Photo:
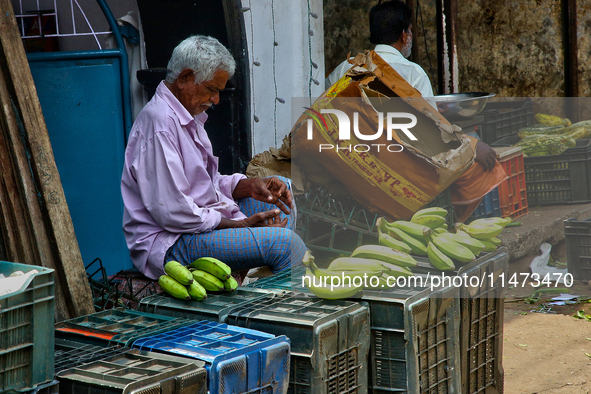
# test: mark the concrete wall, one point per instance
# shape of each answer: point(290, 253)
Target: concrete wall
point(511, 48)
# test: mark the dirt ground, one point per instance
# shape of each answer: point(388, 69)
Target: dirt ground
point(546, 353)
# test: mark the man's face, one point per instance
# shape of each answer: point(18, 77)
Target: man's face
point(197, 98)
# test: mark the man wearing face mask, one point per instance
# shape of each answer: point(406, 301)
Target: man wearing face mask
point(391, 31)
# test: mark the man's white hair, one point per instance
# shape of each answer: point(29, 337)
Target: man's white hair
point(204, 55)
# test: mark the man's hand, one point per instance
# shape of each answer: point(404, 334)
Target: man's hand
point(270, 190)
point(485, 156)
point(261, 219)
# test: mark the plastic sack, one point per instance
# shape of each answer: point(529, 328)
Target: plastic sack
point(539, 265)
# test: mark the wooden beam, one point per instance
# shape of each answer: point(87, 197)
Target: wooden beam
point(56, 221)
point(23, 224)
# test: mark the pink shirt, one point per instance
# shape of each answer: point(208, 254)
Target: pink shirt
point(170, 183)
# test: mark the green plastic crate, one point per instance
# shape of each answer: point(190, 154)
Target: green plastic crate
point(329, 340)
point(116, 327)
point(214, 307)
point(26, 337)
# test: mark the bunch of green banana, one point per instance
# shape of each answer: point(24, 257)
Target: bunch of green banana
point(485, 230)
point(213, 274)
point(193, 283)
point(414, 235)
point(431, 217)
point(319, 283)
point(452, 249)
point(370, 272)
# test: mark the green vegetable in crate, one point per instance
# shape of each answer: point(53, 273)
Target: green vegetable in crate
point(551, 120)
point(579, 133)
point(541, 130)
point(556, 149)
point(540, 145)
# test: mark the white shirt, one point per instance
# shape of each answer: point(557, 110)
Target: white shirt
point(411, 72)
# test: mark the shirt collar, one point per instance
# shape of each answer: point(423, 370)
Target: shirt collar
point(181, 112)
point(388, 49)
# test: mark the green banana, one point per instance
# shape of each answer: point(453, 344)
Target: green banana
point(365, 277)
point(384, 253)
point(173, 287)
point(488, 246)
point(464, 239)
point(438, 258)
point(389, 241)
point(431, 221)
point(494, 220)
point(418, 248)
point(213, 266)
point(482, 230)
point(208, 281)
point(356, 264)
point(179, 272)
point(196, 291)
point(230, 284)
point(418, 231)
point(494, 241)
point(453, 249)
point(321, 288)
point(439, 230)
point(429, 211)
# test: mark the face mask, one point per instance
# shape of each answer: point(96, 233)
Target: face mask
point(406, 49)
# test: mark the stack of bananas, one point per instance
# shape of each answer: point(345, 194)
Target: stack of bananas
point(426, 234)
point(369, 266)
point(205, 274)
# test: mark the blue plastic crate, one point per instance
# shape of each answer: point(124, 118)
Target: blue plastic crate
point(116, 327)
point(26, 337)
point(238, 360)
point(489, 207)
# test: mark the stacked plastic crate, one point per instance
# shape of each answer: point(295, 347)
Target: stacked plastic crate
point(414, 341)
point(577, 234)
point(237, 360)
point(134, 371)
point(399, 320)
point(26, 337)
point(329, 339)
point(513, 191)
point(557, 179)
point(115, 327)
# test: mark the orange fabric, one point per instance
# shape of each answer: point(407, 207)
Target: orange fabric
point(469, 189)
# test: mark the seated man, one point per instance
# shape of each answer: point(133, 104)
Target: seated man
point(177, 205)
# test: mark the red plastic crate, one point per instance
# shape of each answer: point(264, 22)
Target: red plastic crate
point(513, 191)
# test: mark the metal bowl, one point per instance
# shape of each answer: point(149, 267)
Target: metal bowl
point(461, 106)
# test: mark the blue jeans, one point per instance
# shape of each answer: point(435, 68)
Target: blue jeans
point(244, 248)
